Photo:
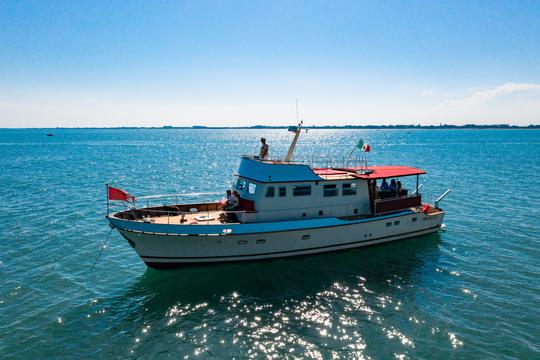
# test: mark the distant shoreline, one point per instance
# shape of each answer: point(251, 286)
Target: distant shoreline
point(341, 127)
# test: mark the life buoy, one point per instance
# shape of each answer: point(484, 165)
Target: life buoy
point(425, 208)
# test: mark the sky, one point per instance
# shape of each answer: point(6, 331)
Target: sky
point(237, 63)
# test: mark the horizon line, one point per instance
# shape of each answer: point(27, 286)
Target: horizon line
point(337, 127)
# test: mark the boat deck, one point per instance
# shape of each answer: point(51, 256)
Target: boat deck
point(211, 217)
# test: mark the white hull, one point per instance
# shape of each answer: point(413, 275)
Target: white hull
point(176, 249)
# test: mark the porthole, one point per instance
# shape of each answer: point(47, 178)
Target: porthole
point(261, 241)
point(303, 214)
point(414, 219)
point(320, 212)
point(396, 222)
point(388, 224)
point(356, 211)
point(306, 237)
point(242, 242)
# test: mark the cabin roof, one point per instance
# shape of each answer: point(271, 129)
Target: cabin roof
point(275, 171)
point(374, 172)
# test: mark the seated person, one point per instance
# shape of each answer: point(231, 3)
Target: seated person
point(228, 202)
point(393, 186)
point(384, 185)
point(400, 190)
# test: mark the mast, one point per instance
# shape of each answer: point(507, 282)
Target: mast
point(296, 130)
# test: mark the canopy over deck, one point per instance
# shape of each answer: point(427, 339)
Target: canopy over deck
point(373, 172)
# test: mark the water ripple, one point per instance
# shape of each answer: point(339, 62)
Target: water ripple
point(468, 292)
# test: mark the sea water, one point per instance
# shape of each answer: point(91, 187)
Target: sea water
point(471, 291)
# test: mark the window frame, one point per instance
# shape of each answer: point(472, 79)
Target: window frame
point(330, 187)
point(306, 190)
point(270, 192)
point(349, 190)
point(250, 187)
point(241, 181)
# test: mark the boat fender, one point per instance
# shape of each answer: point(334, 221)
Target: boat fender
point(425, 209)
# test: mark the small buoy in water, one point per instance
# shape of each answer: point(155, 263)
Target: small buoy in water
point(49, 134)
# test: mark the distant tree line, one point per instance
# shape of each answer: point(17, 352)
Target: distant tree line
point(411, 126)
point(440, 126)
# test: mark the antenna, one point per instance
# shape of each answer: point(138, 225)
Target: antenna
point(297, 110)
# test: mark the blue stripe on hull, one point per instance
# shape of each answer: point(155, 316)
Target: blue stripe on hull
point(242, 229)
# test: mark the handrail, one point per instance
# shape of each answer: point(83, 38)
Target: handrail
point(439, 199)
point(189, 212)
point(179, 194)
point(169, 213)
point(415, 190)
point(266, 211)
point(319, 162)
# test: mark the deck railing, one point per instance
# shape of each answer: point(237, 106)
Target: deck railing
point(164, 197)
point(380, 206)
point(150, 213)
point(359, 163)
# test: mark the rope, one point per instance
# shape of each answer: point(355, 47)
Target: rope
point(102, 247)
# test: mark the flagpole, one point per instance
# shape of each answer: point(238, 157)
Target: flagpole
point(358, 145)
point(107, 194)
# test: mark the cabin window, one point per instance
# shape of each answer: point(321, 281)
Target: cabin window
point(241, 184)
point(320, 212)
point(388, 224)
point(414, 219)
point(330, 190)
point(396, 222)
point(282, 191)
point(349, 189)
point(251, 188)
point(301, 190)
point(270, 191)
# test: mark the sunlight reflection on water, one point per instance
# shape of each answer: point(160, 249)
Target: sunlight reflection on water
point(451, 294)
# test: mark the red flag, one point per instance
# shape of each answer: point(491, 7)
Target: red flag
point(119, 194)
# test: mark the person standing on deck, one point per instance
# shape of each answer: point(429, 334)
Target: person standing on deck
point(264, 150)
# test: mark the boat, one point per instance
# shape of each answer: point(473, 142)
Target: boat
point(285, 208)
